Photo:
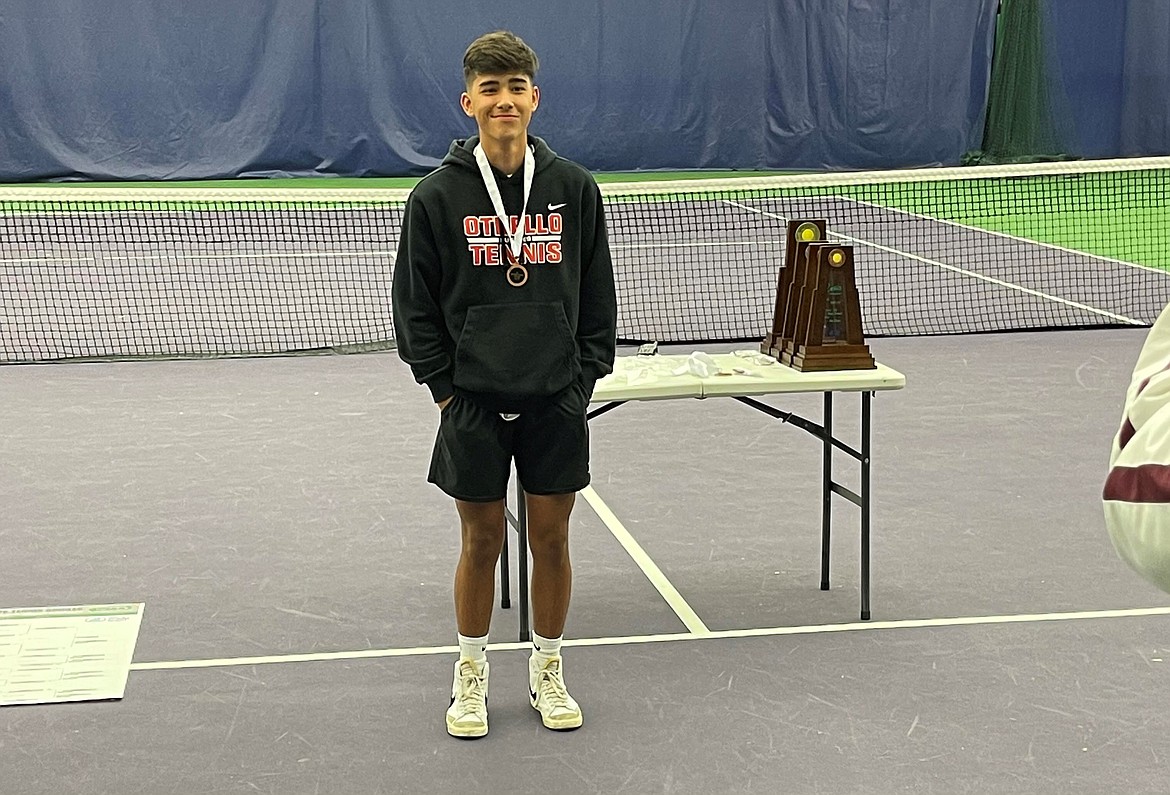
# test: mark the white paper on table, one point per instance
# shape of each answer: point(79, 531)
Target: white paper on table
point(755, 357)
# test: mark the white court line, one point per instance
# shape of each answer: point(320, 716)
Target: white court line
point(630, 640)
point(700, 244)
point(956, 269)
point(6, 261)
point(260, 255)
point(183, 257)
point(654, 574)
point(419, 651)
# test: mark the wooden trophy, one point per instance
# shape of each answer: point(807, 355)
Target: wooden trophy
point(796, 307)
point(829, 336)
point(801, 232)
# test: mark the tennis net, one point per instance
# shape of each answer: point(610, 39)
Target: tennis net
point(106, 272)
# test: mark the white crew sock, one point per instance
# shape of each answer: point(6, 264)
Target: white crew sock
point(473, 648)
point(545, 649)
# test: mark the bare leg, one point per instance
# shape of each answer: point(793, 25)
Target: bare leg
point(482, 529)
point(552, 575)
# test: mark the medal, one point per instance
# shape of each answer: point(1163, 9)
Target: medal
point(516, 274)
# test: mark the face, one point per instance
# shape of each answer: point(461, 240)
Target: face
point(501, 105)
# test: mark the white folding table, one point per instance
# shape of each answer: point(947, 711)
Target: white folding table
point(744, 376)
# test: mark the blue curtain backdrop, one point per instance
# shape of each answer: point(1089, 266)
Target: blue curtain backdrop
point(1145, 101)
point(1115, 57)
point(136, 89)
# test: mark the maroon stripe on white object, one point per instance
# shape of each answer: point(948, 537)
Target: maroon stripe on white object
point(1148, 483)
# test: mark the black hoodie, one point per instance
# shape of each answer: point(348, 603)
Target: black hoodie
point(461, 326)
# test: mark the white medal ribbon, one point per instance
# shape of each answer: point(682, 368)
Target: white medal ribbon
point(515, 241)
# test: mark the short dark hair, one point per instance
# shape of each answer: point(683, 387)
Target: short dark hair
point(499, 53)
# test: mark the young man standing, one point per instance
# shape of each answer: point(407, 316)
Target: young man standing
point(504, 307)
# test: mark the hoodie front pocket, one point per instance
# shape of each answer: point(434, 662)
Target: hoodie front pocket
point(522, 350)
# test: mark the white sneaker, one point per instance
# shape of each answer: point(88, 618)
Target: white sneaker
point(467, 715)
point(546, 685)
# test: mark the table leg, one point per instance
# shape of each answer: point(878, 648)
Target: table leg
point(865, 462)
point(826, 489)
point(505, 567)
point(522, 554)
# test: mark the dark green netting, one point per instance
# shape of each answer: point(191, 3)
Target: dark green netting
point(1028, 113)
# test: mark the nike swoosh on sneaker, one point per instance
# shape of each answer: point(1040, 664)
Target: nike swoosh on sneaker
point(552, 207)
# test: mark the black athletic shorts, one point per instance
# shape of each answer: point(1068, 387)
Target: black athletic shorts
point(475, 446)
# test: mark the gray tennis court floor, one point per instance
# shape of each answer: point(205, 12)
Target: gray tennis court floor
point(272, 515)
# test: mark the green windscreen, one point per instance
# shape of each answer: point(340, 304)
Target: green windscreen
point(1028, 114)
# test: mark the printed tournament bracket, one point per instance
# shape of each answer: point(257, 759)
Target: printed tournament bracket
point(71, 653)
